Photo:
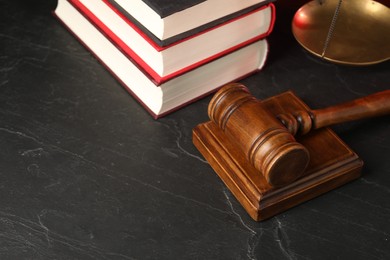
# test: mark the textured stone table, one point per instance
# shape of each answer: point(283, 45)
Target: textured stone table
point(86, 173)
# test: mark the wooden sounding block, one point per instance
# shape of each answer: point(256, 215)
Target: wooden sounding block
point(251, 146)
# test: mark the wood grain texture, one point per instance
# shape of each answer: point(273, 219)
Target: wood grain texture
point(377, 104)
point(263, 139)
point(303, 121)
point(332, 164)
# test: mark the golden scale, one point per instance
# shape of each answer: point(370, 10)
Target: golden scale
point(253, 145)
point(352, 32)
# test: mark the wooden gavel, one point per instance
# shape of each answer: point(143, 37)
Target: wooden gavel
point(268, 141)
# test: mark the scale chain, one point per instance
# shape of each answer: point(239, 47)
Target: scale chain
point(331, 28)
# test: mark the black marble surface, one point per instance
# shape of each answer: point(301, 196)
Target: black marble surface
point(86, 173)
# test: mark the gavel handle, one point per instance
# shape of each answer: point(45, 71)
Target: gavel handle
point(377, 104)
point(302, 122)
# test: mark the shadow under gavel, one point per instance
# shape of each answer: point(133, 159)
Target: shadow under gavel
point(268, 141)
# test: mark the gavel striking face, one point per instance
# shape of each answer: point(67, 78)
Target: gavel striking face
point(267, 140)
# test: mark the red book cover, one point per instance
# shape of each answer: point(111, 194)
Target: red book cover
point(215, 74)
point(167, 8)
point(153, 75)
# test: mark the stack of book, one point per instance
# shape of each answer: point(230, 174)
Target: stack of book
point(168, 53)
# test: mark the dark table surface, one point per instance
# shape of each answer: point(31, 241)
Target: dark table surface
point(86, 173)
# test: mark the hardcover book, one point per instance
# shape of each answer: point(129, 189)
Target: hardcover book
point(172, 20)
point(175, 93)
point(164, 63)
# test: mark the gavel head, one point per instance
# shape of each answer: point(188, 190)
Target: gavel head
point(263, 139)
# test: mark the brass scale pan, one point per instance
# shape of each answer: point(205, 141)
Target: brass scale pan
point(352, 32)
